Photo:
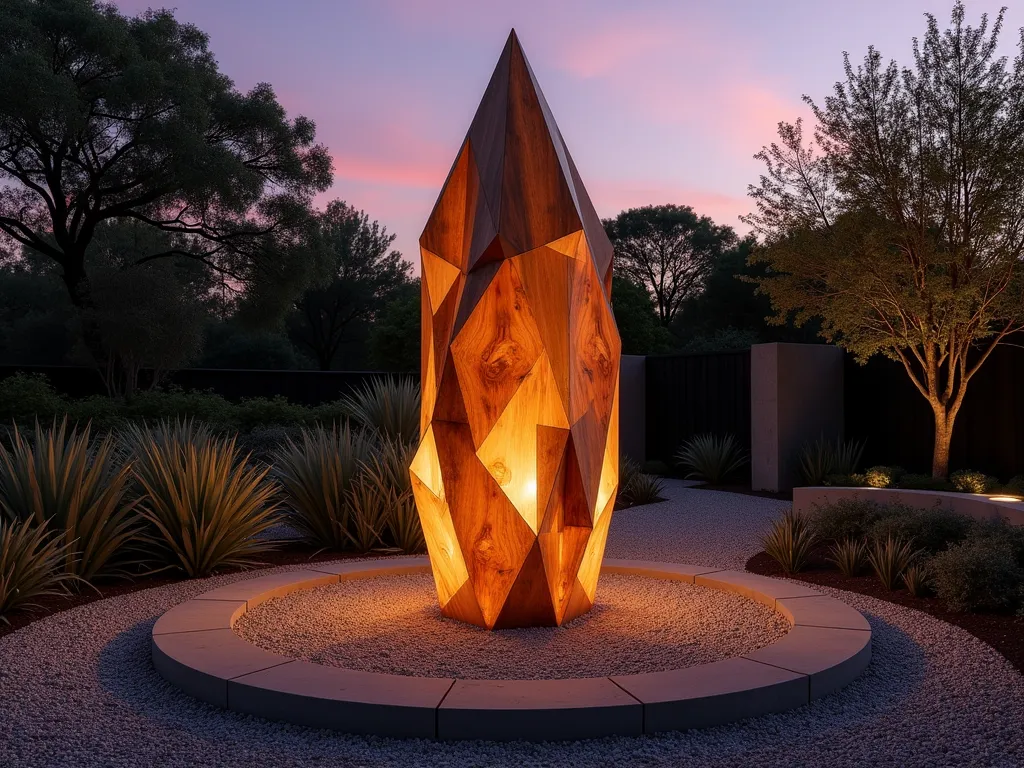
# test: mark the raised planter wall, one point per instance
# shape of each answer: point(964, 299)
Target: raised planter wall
point(975, 505)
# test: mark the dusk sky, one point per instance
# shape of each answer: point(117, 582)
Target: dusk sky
point(659, 102)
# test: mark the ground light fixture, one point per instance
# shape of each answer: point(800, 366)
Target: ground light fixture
point(1004, 498)
point(517, 468)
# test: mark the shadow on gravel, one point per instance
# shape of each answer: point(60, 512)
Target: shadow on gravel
point(125, 670)
point(897, 669)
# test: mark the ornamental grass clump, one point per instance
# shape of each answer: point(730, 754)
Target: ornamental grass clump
point(789, 542)
point(316, 473)
point(388, 486)
point(848, 556)
point(389, 405)
point(206, 507)
point(890, 558)
point(636, 486)
point(917, 579)
point(826, 458)
point(31, 566)
point(75, 488)
point(711, 458)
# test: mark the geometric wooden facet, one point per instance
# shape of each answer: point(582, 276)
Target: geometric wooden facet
point(517, 470)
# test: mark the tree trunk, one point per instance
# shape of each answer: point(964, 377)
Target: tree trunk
point(943, 435)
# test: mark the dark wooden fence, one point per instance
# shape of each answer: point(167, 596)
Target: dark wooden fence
point(693, 394)
point(884, 409)
point(304, 387)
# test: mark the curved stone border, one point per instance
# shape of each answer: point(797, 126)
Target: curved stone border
point(977, 505)
point(195, 649)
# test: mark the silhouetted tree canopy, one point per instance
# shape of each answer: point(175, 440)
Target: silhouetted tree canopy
point(364, 274)
point(105, 118)
point(669, 250)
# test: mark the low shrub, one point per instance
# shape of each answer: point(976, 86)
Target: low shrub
point(882, 476)
point(103, 413)
point(636, 486)
point(890, 557)
point(978, 575)
point(845, 481)
point(389, 405)
point(933, 530)
point(711, 458)
point(912, 482)
point(826, 457)
point(26, 397)
point(75, 488)
point(254, 412)
point(315, 473)
point(30, 566)
point(848, 556)
point(917, 579)
point(174, 403)
point(999, 533)
point(789, 542)
point(1015, 485)
point(262, 442)
point(206, 507)
point(970, 481)
point(845, 519)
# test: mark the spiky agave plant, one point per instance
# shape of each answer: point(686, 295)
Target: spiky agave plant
point(315, 474)
point(789, 542)
point(711, 458)
point(848, 556)
point(178, 431)
point(77, 489)
point(207, 508)
point(825, 457)
point(636, 486)
point(31, 566)
point(386, 478)
point(389, 405)
point(890, 557)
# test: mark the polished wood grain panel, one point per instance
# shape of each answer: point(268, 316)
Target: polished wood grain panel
point(518, 464)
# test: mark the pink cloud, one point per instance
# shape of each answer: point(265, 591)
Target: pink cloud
point(613, 195)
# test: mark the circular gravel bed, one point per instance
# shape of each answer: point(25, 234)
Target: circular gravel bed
point(78, 688)
point(392, 624)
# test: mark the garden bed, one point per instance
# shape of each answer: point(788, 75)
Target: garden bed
point(292, 553)
point(1005, 633)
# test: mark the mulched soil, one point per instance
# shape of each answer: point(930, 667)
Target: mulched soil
point(291, 553)
point(1005, 633)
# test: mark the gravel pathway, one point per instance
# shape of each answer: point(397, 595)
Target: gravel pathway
point(77, 689)
point(637, 625)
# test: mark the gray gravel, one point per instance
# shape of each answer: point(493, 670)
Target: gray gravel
point(393, 624)
point(77, 689)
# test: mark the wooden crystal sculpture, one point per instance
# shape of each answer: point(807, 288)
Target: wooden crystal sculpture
point(517, 468)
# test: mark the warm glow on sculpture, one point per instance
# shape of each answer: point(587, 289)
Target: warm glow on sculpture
point(517, 468)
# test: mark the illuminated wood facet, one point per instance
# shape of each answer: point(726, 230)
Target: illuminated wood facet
point(517, 468)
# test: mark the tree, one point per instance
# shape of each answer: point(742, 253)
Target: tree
point(730, 308)
point(395, 337)
point(106, 118)
point(901, 225)
point(142, 316)
point(229, 344)
point(364, 273)
point(667, 249)
point(638, 325)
